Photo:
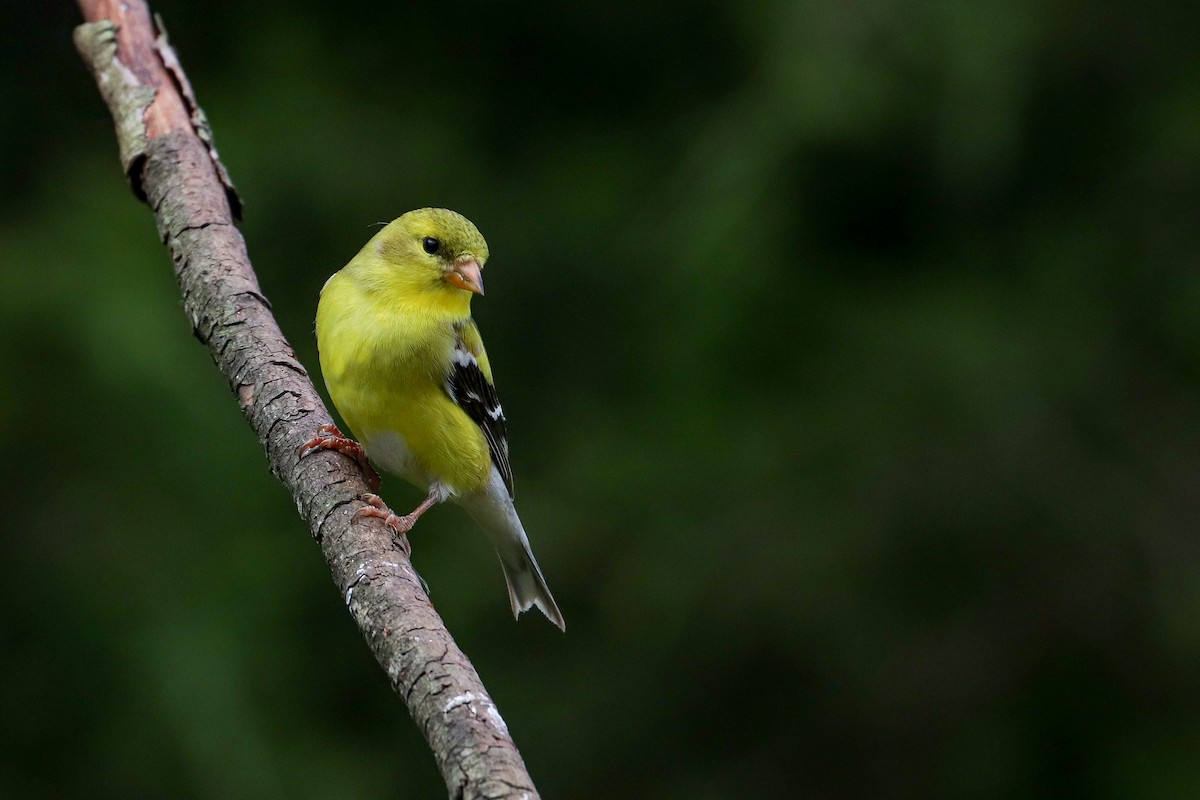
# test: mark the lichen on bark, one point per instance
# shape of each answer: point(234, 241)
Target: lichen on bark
point(127, 97)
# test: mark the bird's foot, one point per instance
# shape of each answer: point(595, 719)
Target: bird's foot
point(330, 438)
point(375, 507)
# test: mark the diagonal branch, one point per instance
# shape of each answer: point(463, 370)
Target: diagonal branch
point(166, 150)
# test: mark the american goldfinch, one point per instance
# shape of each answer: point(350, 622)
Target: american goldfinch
point(406, 369)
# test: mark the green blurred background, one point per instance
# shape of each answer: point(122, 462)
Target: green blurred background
point(851, 354)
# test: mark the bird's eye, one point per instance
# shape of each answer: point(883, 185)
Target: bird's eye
point(431, 245)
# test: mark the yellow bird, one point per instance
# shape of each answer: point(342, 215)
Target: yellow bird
point(406, 369)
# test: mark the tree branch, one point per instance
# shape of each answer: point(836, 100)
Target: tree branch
point(166, 150)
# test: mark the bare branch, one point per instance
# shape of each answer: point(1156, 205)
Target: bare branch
point(166, 150)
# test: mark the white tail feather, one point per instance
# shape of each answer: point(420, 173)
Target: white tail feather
point(526, 586)
point(494, 511)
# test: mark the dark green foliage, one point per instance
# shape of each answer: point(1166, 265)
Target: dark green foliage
point(850, 355)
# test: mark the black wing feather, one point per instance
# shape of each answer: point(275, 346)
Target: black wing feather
point(474, 394)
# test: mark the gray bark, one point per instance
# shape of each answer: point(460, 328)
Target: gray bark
point(166, 150)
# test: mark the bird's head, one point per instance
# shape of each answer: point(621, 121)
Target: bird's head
point(435, 245)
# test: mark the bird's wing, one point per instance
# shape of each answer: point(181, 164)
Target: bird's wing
point(469, 385)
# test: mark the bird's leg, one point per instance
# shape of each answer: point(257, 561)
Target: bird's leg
point(330, 438)
point(400, 525)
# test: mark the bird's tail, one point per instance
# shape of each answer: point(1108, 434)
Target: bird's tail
point(526, 586)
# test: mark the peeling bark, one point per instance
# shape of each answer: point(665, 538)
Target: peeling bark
point(166, 150)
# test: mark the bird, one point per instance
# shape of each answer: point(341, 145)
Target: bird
point(406, 368)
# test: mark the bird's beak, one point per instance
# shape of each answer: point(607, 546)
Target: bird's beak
point(466, 275)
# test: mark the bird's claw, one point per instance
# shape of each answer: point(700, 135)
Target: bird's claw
point(375, 507)
point(330, 438)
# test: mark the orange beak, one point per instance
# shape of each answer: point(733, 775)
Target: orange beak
point(466, 275)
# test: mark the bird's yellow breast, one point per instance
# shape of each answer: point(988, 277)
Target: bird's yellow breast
point(384, 361)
